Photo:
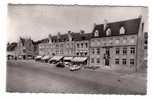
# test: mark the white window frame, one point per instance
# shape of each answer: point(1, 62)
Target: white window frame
point(96, 33)
point(122, 30)
point(108, 32)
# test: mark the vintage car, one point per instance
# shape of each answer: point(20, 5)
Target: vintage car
point(45, 59)
point(38, 58)
point(67, 64)
point(60, 64)
point(75, 67)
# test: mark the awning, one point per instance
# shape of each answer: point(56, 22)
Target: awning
point(56, 58)
point(45, 57)
point(11, 53)
point(67, 58)
point(79, 59)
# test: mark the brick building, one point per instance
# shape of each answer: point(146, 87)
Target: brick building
point(62, 44)
point(43, 47)
point(66, 45)
point(82, 44)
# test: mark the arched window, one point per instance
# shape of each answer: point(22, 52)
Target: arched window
point(96, 33)
point(122, 30)
point(108, 32)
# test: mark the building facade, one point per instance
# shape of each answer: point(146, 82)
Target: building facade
point(43, 47)
point(25, 48)
point(82, 45)
point(117, 44)
point(110, 45)
point(11, 50)
point(62, 44)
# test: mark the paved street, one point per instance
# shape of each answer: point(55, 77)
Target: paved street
point(31, 76)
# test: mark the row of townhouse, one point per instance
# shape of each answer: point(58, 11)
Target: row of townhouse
point(25, 48)
point(114, 44)
point(67, 45)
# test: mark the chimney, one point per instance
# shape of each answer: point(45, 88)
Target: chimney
point(69, 36)
point(69, 31)
point(140, 16)
point(94, 24)
point(58, 35)
point(82, 31)
point(50, 38)
point(105, 23)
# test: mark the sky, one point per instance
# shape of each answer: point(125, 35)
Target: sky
point(38, 21)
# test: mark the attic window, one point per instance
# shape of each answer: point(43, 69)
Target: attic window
point(122, 30)
point(108, 32)
point(96, 33)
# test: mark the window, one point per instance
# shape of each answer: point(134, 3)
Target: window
point(98, 50)
point(24, 50)
point(117, 50)
point(77, 54)
point(57, 45)
point(92, 60)
point(124, 50)
point(96, 33)
point(146, 42)
point(116, 61)
point(108, 32)
point(61, 51)
point(132, 61)
point(124, 40)
point(124, 61)
point(81, 45)
point(122, 30)
point(132, 50)
point(98, 60)
point(81, 53)
point(92, 50)
point(77, 45)
point(117, 41)
point(107, 51)
point(86, 44)
point(86, 53)
point(61, 45)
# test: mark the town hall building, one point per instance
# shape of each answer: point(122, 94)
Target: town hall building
point(118, 44)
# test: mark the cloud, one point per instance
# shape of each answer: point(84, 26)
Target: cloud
point(37, 21)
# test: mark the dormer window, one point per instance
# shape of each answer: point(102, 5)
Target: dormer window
point(96, 33)
point(108, 32)
point(122, 30)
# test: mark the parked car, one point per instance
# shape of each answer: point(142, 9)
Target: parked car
point(45, 58)
point(67, 64)
point(75, 67)
point(60, 64)
point(20, 57)
point(29, 57)
point(38, 58)
point(52, 62)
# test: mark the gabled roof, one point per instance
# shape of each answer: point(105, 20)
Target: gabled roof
point(131, 26)
point(22, 41)
point(81, 37)
point(46, 40)
point(63, 37)
point(75, 37)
